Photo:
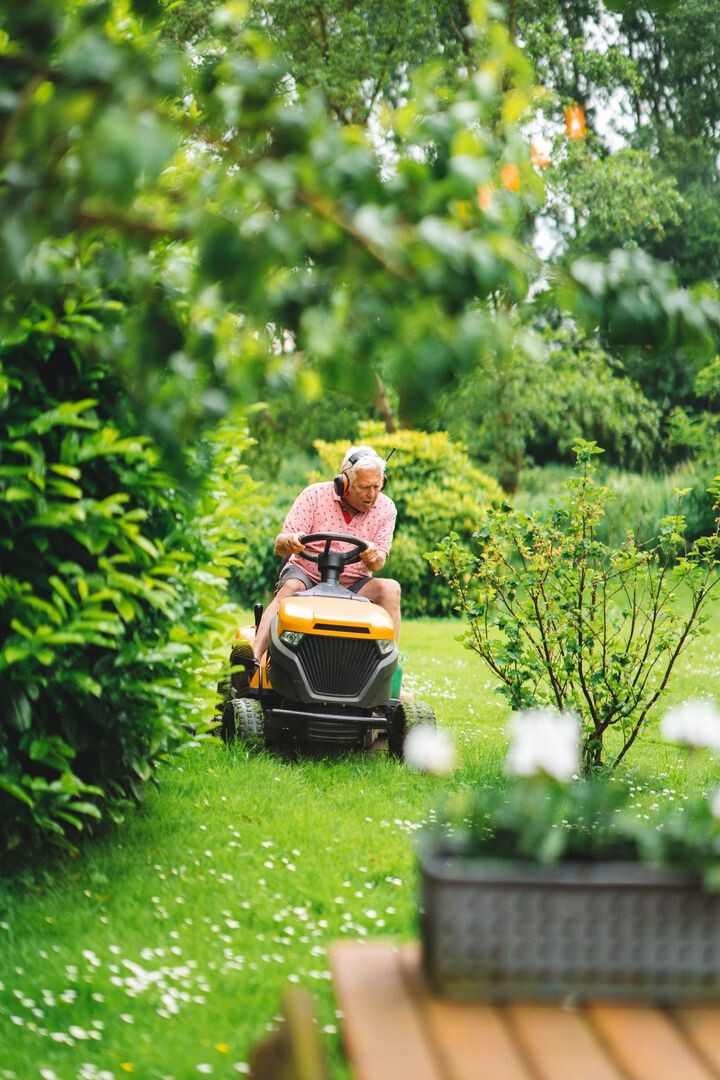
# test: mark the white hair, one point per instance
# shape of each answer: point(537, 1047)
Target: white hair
point(367, 458)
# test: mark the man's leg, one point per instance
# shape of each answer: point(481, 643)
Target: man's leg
point(289, 588)
point(386, 593)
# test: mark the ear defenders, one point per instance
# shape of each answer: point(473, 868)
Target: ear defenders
point(341, 481)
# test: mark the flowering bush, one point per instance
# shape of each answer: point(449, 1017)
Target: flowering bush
point(548, 814)
point(565, 621)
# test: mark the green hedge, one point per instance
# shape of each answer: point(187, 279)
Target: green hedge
point(111, 583)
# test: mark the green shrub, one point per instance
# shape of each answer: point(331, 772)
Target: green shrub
point(562, 620)
point(537, 406)
point(111, 581)
point(436, 490)
point(254, 578)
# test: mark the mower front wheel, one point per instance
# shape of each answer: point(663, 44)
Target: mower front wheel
point(406, 715)
point(243, 718)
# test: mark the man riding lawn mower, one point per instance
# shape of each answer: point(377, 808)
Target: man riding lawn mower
point(323, 662)
point(330, 673)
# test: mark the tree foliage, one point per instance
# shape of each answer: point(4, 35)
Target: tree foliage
point(615, 200)
point(206, 193)
point(533, 406)
point(645, 74)
point(358, 56)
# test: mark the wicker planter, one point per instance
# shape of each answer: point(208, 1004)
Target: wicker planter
point(497, 929)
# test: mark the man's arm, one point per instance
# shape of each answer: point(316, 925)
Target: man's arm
point(298, 522)
point(288, 543)
point(378, 548)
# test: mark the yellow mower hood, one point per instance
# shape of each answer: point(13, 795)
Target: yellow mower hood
point(332, 615)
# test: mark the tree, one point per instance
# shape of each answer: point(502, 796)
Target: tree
point(357, 55)
point(535, 404)
point(645, 74)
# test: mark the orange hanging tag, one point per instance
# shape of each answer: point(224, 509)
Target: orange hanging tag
point(510, 175)
point(575, 122)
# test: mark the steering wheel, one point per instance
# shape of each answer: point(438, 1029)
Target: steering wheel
point(348, 557)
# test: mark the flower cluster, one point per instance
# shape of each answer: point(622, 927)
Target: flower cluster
point(543, 741)
point(428, 749)
point(547, 814)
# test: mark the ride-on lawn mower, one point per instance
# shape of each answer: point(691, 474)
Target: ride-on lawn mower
point(330, 674)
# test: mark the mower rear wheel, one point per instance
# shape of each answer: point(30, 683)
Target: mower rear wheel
point(244, 719)
point(242, 655)
point(224, 689)
point(407, 715)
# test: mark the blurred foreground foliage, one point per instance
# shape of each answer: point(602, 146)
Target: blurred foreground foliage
point(256, 240)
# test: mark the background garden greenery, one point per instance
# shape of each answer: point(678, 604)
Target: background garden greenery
point(565, 621)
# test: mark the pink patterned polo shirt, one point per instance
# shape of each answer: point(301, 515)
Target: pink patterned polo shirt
point(319, 508)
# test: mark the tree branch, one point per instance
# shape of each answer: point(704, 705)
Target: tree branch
point(325, 209)
point(110, 217)
point(382, 405)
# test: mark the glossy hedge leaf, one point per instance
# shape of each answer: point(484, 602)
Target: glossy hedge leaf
point(19, 711)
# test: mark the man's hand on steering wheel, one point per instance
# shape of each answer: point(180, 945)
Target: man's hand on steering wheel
point(373, 558)
point(295, 543)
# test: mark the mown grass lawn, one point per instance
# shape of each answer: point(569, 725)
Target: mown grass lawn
point(163, 949)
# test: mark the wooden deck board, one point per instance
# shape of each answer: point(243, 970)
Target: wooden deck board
point(383, 1033)
point(701, 1024)
point(471, 1040)
point(560, 1044)
point(396, 1028)
point(647, 1043)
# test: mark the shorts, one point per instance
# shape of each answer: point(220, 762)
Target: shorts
point(292, 571)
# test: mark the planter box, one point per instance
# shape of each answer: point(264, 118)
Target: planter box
point(499, 929)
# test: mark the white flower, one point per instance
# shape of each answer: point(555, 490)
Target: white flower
point(429, 750)
point(715, 803)
point(694, 723)
point(544, 741)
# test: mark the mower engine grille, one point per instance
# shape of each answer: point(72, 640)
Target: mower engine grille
point(338, 667)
